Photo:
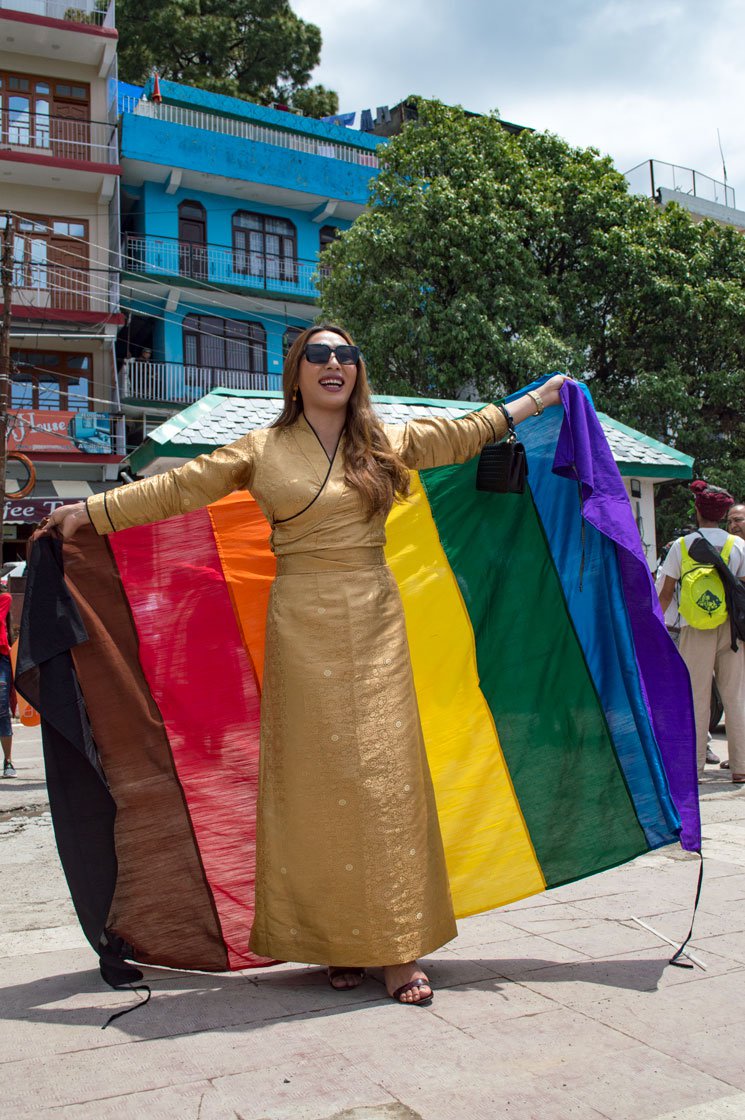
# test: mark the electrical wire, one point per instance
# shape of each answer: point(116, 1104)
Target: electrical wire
point(204, 284)
point(58, 376)
point(20, 366)
point(186, 307)
point(170, 318)
point(174, 320)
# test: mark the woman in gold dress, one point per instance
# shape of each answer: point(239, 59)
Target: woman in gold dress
point(350, 865)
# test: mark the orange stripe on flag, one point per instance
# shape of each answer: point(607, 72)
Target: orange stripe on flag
point(242, 538)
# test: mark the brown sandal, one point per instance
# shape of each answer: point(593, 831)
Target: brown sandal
point(410, 987)
point(334, 972)
point(738, 779)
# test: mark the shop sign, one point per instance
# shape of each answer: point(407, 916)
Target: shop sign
point(30, 511)
point(65, 433)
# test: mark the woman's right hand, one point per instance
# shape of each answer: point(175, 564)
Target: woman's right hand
point(66, 520)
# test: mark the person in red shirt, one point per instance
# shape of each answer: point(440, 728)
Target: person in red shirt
point(6, 686)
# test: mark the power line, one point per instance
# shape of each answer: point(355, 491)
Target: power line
point(204, 284)
point(20, 367)
point(174, 320)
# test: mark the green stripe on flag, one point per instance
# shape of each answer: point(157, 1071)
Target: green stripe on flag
point(533, 674)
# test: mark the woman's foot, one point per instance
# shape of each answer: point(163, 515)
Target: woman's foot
point(406, 983)
point(345, 978)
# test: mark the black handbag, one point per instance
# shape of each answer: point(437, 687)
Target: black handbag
point(503, 467)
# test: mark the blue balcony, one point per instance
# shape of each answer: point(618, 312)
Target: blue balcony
point(234, 148)
point(207, 265)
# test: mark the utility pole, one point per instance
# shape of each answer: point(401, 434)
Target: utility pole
point(6, 272)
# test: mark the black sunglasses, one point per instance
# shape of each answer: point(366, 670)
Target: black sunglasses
point(318, 353)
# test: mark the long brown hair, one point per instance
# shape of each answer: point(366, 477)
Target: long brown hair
point(371, 466)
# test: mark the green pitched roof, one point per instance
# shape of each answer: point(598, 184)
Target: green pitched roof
point(224, 415)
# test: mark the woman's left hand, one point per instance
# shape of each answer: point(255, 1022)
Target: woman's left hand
point(549, 391)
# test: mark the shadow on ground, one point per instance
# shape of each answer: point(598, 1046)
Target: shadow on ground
point(184, 1003)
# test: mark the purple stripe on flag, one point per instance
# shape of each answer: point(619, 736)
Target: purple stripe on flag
point(583, 454)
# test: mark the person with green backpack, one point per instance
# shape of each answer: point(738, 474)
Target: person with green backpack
point(708, 642)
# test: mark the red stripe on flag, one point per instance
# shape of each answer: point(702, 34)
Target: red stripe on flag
point(202, 681)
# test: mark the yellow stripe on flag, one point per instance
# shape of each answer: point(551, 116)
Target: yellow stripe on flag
point(489, 854)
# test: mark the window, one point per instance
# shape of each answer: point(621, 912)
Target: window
point(192, 211)
point(327, 235)
point(66, 92)
point(288, 338)
point(192, 236)
point(34, 113)
point(50, 254)
point(30, 254)
point(264, 246)
point(49, 391)
point(68, 229)
point(26, 116)
point(44, 379)
point(224, 344)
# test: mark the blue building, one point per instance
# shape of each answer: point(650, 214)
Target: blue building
point(226, 209)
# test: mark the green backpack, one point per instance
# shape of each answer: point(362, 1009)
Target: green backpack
point(702, 599)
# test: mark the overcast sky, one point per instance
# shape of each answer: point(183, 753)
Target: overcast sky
point(635, 78)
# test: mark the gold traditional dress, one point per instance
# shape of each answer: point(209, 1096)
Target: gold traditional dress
point(350, 864)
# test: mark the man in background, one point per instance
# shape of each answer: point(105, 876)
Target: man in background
point(736, 520)
point(705, 634)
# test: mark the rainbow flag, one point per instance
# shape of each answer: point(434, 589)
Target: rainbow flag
point(556, 711)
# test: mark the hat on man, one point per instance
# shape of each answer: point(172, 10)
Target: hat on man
point(711, 501)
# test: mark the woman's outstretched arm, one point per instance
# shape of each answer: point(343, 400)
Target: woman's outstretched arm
point(433, 442)
point(197, 483)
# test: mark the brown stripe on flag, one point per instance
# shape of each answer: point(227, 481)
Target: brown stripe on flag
point(162, 905)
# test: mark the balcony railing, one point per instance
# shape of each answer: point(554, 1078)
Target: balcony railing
point(174, 383)
point(89, 12)
point(218, 264)
point(648, 177)
point(58, 288)
point(248, 130)
point(61, 137)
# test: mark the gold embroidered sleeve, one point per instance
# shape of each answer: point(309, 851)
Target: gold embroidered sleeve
point(434, 442)
point(196, 484)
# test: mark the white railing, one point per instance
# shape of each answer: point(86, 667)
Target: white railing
point(175, 383)
point(71, 11)
point(44, 135)
point(248, 130)
point(217, 264)
point(648, 177)
point(40, 285)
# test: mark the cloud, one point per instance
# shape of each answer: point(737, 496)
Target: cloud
point(635, 78)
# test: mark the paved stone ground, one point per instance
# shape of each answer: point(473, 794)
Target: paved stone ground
point(559, 1007)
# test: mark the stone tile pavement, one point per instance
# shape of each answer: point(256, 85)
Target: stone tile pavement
point(561, 1007)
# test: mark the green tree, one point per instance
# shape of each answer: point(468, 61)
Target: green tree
point(487, 258)
point(257, 49)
